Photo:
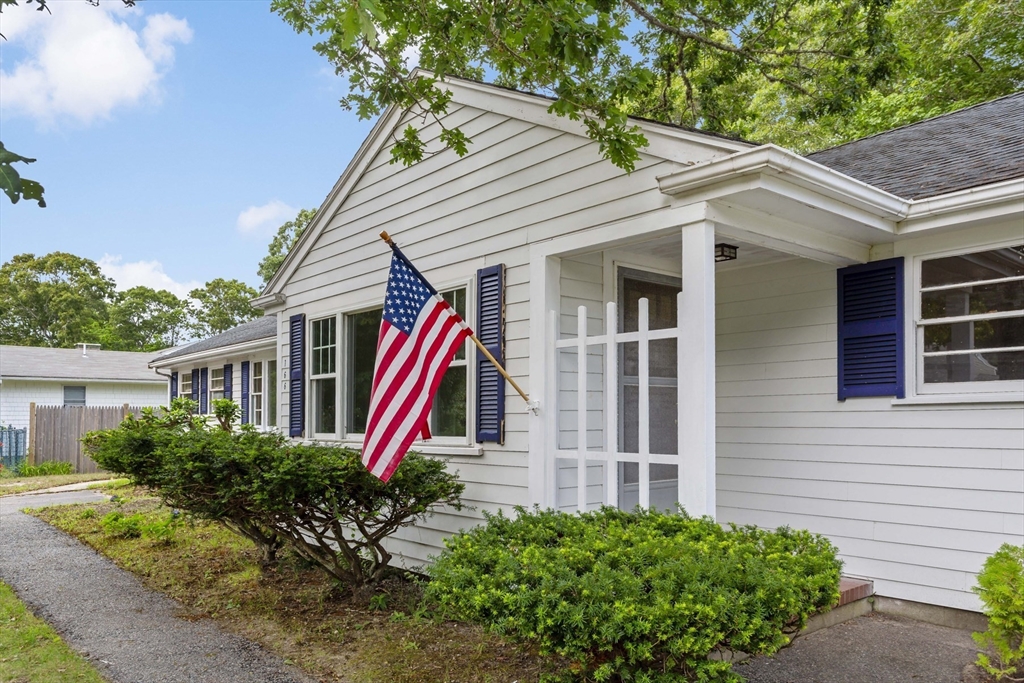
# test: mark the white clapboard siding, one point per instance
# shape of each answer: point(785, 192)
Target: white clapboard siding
point(520, 183)
point(914, 497)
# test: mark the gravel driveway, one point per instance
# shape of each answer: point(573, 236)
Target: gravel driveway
point(129, 632)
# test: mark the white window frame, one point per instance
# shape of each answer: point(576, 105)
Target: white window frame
point(996, 390)
point(182, 376)
point(257, 415)
point(85, 394)
point(210, 390)
point(336, 375)
point(457, 445)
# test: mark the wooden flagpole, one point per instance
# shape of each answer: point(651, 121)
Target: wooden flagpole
point(479, 344)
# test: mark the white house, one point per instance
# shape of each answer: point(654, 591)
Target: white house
point(833, 341)
point(74, 377)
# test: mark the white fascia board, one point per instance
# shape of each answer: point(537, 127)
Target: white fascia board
point(776, 161)
point(268, 301)
point(104, 380)
point(267, 343)
point(985, 203)
point(534, 109)
point(373, 143)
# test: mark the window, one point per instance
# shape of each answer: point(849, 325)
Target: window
point(271, 393)
point(971, 322)
point(74, 396)
point(185, 383)
point(448, 418)
point(216, 384)
point(323, 373)
point(256, 394)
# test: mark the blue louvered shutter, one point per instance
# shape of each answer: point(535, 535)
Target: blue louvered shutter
point(204, 394)
point(490, 330)
point(870, 329)
point(195, 385)
point(296, 374)
point(228, 388)
point(174, 385)
point(245, 392)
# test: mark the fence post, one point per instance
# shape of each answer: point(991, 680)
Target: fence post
point(125, 411)
point(31, 433)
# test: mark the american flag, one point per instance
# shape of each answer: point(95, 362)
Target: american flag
point(419, 334)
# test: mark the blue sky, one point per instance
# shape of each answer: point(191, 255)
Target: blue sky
point(172, 140)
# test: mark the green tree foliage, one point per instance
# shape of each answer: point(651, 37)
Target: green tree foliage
point(1001, 588)
point(220, 305)
point(949, 54)
point(144, 319)
point(642, 596)
point(286, 237)
point(601, 59)
point(56, 300)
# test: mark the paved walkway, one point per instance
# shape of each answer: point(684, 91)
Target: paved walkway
point(875, 648)
point(129, 632)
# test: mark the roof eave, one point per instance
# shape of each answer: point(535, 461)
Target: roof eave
point(206, 354)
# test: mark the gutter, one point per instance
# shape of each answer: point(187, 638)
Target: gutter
point(243, 347)
point(780, 162)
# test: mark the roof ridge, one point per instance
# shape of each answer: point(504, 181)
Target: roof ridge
point(916, 123)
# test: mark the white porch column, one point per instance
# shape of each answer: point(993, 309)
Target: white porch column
point(545, 272)
point(696, 358)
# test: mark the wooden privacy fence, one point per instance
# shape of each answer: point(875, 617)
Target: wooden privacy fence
point(55, 432)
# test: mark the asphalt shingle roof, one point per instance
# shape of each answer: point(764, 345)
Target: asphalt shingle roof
point(260, 328)
point(975, 146)
point(70, 364)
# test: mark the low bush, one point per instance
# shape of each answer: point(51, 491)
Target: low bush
point(642, 596)
point(45, 469)
point(1001, 588)
point(319, 499)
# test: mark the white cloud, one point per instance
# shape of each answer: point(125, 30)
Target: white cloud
point(82, 61)
point(143, 274)
point(263, 220)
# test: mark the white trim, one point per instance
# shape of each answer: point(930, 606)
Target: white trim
point(17, 378)
point(266, 343)
point(953, 399)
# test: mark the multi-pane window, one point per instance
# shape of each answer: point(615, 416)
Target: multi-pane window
point(271, 393)
point(74, 396)
point(363, 331)
point(185, 384)
point(448, 416)
point(256, 394)
point(972, 317)
point(323, 373)
point(216, 384)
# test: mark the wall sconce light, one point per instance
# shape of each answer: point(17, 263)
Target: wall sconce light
point(724, 252)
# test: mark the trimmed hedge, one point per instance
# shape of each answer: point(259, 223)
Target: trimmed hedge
point(640, 596)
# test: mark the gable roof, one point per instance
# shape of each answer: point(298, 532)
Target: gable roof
point(489, 97)
point(71, 365)
point(967, 148)
point(254, 330)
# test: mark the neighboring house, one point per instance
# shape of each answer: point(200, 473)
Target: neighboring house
point(832, 342)
point(239, 364)
point(74, 377)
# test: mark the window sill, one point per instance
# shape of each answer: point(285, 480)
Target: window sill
point(962, 399)
point(431, 449)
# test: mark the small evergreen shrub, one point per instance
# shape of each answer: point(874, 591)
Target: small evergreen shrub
point(45, 469)
point(643, 596)
point(1001, 588)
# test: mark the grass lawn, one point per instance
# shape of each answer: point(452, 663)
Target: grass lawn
point(31, 652)
point(12, 485)
point(295, 610)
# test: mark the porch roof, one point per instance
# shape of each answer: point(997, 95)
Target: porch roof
point(264, 328)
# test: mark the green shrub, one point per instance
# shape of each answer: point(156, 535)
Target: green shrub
point(118, 525)
point(1001, 588)
point(641, 596)
point(45, 469)
point(162, 530)
point(320, 500)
